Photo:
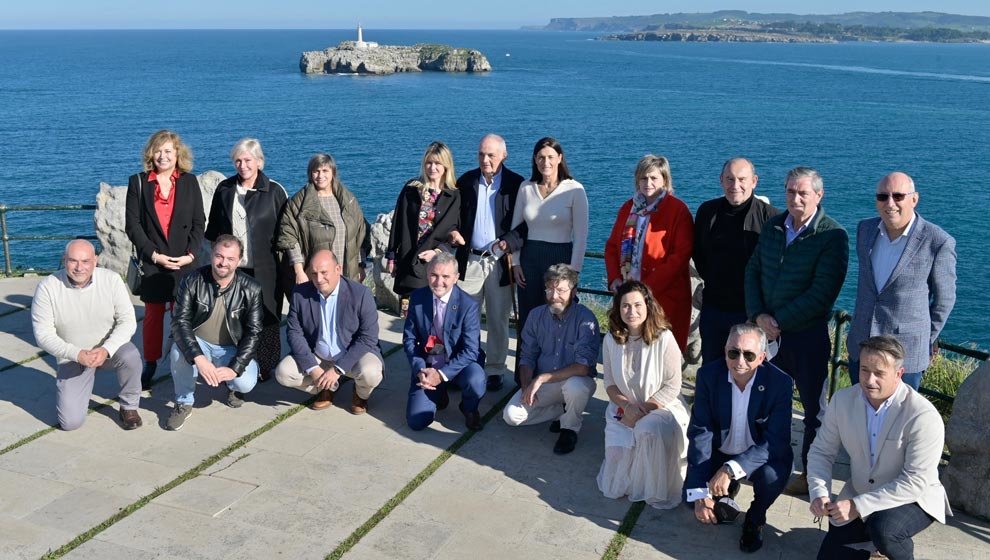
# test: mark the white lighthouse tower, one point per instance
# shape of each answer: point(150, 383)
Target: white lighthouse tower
point(360, 44)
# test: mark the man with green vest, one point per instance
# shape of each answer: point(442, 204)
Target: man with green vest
point(792, 282)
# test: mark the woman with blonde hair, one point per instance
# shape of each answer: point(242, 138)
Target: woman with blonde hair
point(164, 220)
point(248, 206)
point(646, 418)
point(426, 213)
point(652, 240)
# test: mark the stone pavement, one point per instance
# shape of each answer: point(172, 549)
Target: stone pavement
point(276, 480)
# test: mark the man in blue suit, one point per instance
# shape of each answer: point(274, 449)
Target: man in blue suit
point(332, 333)
point(740, 428)
point(907, 278)
point(442, 339)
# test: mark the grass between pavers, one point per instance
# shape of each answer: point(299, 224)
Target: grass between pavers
point(625, 529)
point(348, 543)
point(184, 477)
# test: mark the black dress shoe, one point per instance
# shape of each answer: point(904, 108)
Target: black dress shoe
point(473, 421)
point(566, 442)
point(148, 374)
point(494, 382)
point(752, 537)
point(555, 427)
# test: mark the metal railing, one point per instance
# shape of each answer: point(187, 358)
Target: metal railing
point(6, 238)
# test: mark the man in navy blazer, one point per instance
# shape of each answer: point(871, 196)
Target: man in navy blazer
point(332, 332)
point(442, 339)
point(907, 278)
point(740, 428)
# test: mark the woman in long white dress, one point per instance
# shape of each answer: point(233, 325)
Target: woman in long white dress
point(646, 419)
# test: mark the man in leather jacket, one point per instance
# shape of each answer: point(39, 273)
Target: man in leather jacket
point(215, 325)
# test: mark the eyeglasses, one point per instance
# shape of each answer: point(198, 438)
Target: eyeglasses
point(558, 291)
point(897, 196)
point(734, 354)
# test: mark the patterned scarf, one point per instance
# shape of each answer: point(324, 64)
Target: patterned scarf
point(427, 213)
point(632, 235)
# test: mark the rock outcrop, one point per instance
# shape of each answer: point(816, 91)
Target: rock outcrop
point(967, 478)
point(347, 58)
point(109, 221)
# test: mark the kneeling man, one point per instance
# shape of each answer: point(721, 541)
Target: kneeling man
point(83, 316)
point(215, 325)
point(894, 439)
point(559, 350)
point(442, 339)
point(332, 332)
point(740, 428)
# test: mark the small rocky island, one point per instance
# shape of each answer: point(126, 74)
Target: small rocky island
point(360, 57)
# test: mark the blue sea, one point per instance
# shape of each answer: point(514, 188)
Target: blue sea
point(77, 106)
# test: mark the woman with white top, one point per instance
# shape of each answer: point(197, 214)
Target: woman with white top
point(555, 209)
point(646, 419)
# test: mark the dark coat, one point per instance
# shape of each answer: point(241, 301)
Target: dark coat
point(505, 204)
point(357, 324)
point(263, 205)
point(185, 235)
point(410, 270)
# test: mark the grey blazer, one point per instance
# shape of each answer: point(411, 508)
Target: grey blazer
point(917, 298)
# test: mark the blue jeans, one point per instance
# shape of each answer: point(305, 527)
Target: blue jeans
point(912, 379)
point(184, 374)
point(891, 530)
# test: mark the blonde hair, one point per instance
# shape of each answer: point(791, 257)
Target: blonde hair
point(251, 146)
point(648, 163)
point(440, 151)
point(183, 155)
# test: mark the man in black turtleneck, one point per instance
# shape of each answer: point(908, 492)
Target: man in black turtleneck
point(726, 230)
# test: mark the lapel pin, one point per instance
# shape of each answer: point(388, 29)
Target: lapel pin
point(760, 388)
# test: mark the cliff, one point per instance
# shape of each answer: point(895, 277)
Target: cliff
point(347, 58)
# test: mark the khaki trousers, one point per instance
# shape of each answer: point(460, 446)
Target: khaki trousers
point(481, 282)
point(367, 374)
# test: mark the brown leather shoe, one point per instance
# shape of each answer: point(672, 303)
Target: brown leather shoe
point(323, 400)
point(358, 405)
point(130, 419)
point(798, 486)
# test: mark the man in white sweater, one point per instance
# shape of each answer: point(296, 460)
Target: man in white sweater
point(83, 316)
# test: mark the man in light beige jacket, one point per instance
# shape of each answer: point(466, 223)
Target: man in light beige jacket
point(894, 439)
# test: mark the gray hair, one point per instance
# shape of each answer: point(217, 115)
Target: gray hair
point(749, 328)
point(560, 272)
point(251, 146)
point(496, 138)
point(442, 258)
point(884, 345)
point(801, 172)
point(731, 160)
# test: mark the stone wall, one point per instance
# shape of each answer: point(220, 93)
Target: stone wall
point(967, 478)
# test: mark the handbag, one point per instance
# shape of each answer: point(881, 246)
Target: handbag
point(135, 268)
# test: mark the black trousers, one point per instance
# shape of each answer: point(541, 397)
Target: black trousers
point(891, 530)
point(804, 356)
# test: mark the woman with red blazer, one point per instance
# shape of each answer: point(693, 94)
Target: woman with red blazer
point(165, 222)
point(652, 241)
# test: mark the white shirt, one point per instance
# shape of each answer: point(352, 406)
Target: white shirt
point(239, 226)
point(874, 422)
point(484, 217)
point(887, 252)
point(739, 439)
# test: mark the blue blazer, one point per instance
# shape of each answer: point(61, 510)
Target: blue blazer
point(917, 298)
point(357, 324)
point(461, 331)
point(769, 416)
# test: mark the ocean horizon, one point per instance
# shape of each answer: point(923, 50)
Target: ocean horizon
point(78, 106)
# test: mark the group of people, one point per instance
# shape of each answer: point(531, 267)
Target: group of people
point(460, 246)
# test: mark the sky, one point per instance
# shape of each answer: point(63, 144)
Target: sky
point(398, 14)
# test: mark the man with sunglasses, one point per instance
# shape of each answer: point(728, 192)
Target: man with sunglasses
point(740, 428)
point(907, 278)
point(557, 359)
point(792, 282)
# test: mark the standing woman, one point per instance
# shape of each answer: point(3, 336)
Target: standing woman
point(555, 209)
point(248, 206)
point(324, 215)
point(164, 221)
point(646, 419)
point(651, 241)
point(426, 214)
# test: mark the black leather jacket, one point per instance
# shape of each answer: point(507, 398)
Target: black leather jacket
point(194, 302)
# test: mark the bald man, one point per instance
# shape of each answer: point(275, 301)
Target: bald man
point(332, 333)
point(907, 278)
point(83, 316)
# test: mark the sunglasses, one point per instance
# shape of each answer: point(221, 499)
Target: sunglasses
point(734, 354)
point(897, 196)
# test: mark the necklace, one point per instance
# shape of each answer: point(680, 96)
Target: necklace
point(545, 190)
